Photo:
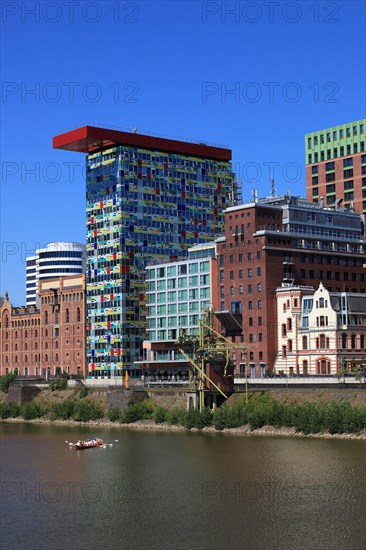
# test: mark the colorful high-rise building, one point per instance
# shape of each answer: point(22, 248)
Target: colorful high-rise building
point(336, 166)
point(149, 199)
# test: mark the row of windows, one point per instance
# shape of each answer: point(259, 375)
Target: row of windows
point(75, 296)
point(329, 136)
point(67, 316)
point(25, 345)
point(37, 358)
point(353, 341)
point(330, 275)
point(336, 153)
point(249, 257)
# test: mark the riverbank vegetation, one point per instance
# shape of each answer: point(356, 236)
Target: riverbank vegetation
point(261, 410)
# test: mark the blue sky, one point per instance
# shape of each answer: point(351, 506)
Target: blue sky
point(255, 76)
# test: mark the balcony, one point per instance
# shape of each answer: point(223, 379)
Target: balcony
point(288, 260)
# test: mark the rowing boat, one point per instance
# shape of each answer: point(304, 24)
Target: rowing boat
point(89, 443)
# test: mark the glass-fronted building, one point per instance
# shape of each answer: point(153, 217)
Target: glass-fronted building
point(178, 293)
point(148, 200)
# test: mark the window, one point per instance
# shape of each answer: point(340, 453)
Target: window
point(304, 342)
point(236, 308)
point(67, 315)
point(250, 272)
point(259, 304)
point(46, 317)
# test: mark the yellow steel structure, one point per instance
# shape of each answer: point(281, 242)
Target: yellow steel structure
point(209, 346)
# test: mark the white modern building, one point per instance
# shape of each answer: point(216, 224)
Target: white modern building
point(59, 259)
point(179, 293)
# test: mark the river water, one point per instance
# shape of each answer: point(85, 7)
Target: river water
point(180, 491)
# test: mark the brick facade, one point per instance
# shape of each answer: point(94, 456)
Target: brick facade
point(263, 247)
point(49, 340)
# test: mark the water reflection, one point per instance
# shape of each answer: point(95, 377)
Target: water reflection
point(180, 490)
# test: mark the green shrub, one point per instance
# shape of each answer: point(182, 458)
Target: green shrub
point(160, 415)
point(9, 409)
point(63, 410)
point(308, 418)
point(353, 418)
point(6, 380)
point(83, 392)
point(87, 410)
point(59, 383)
point(31, 410)
point(206, 417)
point(175, 417)
point(113, 414)
point(136, 411)
point(219, 418)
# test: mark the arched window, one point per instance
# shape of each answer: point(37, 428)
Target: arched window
point(46, 358)
point(304, 342)
point(25, 345)
point(26, 358)
point(304, 366)
point(6, 359)
point(67, 315)
point(362, 341)
point(323, 367)
point(16, 347)
point(6, 321)
point(16, 358)
point(56, 344)
point(78, 315)
point(344, 341)
point(16, 334)
point(25, 334)
point(322, 321)
point(321, 302)
point(46, 317)
point(6, 347)
point(46, 345)
point(322, 341)
point(56, 316)
point(353, 341)
point(46, 333)
point(35, 345)
point(56, 357)
point(36, 333)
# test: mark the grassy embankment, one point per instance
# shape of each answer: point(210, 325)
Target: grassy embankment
point(277, 409)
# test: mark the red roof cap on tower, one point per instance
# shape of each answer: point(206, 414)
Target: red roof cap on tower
point(90, 139)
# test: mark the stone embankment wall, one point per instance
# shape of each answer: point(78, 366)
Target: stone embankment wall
point(121, 398)
point(22, 394)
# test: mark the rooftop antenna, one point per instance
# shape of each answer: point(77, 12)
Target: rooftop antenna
point(273, 189)
point(254, 194)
